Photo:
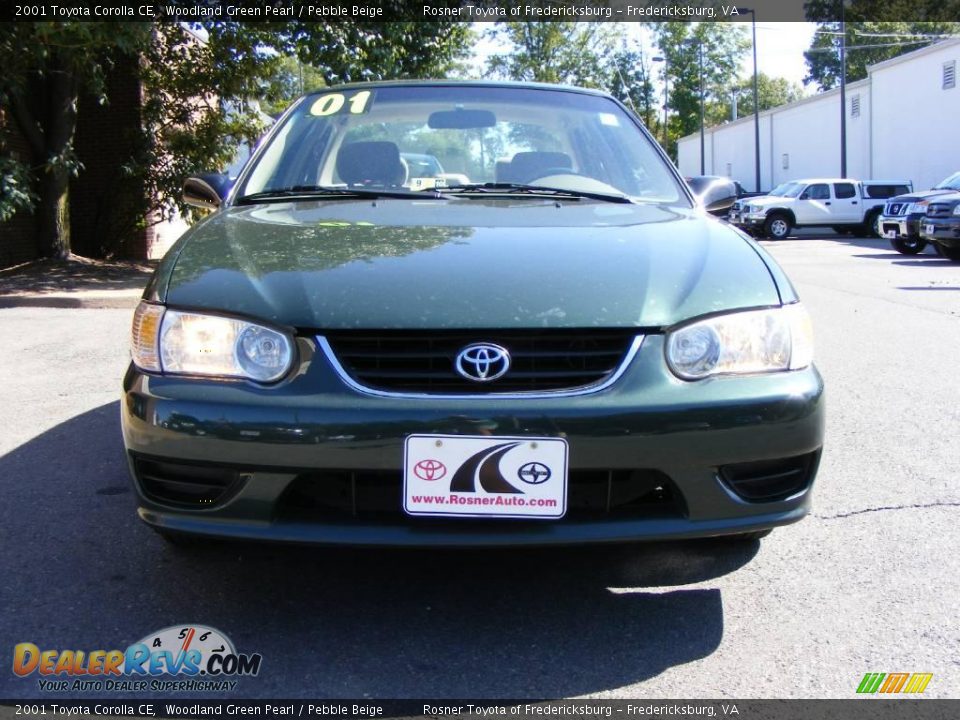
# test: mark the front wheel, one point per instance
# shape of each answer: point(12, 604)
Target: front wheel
point(871, 224)
point(777, 227)
point(950, 253)
point(908, 244)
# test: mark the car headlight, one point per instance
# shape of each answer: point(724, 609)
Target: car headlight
point(189, 343)
point(917, 207)
point(755, 341)
point(956, 209)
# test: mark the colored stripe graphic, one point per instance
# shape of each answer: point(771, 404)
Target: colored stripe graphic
point(871, 682)
point(894, 683)
point(918, 682)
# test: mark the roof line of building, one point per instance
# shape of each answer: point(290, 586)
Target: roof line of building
point(835, 91)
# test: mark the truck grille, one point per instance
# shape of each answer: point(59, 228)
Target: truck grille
point(940, 209)
point(540, 360)
point(895, 209)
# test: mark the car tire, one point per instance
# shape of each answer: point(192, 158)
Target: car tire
point(908, 244)
point(777, 226)
point(950, 253)
point(871, 224)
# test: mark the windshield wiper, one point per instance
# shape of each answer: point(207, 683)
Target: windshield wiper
point(493, 188)
point(314, 191)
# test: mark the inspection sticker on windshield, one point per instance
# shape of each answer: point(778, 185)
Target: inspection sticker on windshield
point(467, 476)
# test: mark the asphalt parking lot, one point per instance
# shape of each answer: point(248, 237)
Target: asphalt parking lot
point(869, 583)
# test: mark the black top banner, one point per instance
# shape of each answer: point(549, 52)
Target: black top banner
point(865, 709)
point(483, 10)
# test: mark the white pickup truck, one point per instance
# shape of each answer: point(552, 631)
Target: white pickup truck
point(844, 205)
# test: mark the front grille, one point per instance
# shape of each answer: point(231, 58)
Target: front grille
point(771, 480)
point(365, 496)
point(185, 484)
point(940, 209)
point(894, 209)
point(541, 360)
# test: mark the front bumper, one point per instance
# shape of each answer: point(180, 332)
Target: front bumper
point(942, 230)
point(900, 226)
point(315, 432)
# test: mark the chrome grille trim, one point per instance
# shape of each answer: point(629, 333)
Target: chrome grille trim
point(348, 380)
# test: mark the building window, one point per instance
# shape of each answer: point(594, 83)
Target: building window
point(729, 169)
point(855, 106)
point(786, 161)
point(950, 75)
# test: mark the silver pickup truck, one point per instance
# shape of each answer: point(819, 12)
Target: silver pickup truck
point(844, 205)
point(902, 216)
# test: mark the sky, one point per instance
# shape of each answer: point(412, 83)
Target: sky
point(780, 47)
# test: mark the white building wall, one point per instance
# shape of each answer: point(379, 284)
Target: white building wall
point(906, 130)
point(916, 129)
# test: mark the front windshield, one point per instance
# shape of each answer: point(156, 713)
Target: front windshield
point(789, 189)
point(951, 183)
point(423, 137)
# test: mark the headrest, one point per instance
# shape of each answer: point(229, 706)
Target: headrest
point(527, 166)
point(371, 163)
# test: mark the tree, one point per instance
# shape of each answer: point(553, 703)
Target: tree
point(196, 87)
point(872, 34)
point(291, 78)
point(570, 53)
point(771, 92)
point(46, 67)
point(631, 82)
point(723, 46)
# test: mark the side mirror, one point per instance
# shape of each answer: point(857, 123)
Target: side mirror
point(718, 196)
point(207, 191)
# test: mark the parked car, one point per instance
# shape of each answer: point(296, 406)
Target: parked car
point(843, 205)
point(714, 193)
point(941, 225)
point(902, 215)
point(577, 355)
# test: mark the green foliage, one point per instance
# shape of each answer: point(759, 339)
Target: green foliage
point(723, 46)
point(290, 78)
point(864, 48)
point(631, 82)
point(771, 92)
point(570, 53)
point(196, 94)
point(15, 191)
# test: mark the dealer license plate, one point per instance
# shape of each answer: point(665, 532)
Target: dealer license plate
point(468, 476)
point(890, 234)
point(928, 229)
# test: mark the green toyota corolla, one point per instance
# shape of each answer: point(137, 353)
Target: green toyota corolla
point(448, 313)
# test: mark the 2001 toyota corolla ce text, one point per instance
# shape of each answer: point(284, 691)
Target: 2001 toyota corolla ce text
point(467, 314)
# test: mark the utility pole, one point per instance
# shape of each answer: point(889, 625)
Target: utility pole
point(843, 93)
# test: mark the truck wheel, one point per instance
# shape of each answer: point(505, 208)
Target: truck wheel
point(777, 226)
point(908, 244)
point(871, 224)
point(950, 253)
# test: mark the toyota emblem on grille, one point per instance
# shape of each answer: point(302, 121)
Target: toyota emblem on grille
point(483, 362)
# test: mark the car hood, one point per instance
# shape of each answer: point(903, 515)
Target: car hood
point(431, 264)
point(922, 195)
point(765, 200)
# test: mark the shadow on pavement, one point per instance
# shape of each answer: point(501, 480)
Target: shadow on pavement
point(80, 571)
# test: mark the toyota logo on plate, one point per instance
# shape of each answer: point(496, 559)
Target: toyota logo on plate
point(483, 362)
point(429, 469)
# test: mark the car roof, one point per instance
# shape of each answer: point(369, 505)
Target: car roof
point(459, 83)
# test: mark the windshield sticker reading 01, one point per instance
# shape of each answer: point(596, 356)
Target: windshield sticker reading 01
point(334, 103)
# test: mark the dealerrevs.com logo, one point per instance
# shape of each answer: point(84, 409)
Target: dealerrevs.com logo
point(177, 658)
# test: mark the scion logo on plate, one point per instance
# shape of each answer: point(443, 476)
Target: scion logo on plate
point(534, 473)
point(429, 469)
point(483, 362)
